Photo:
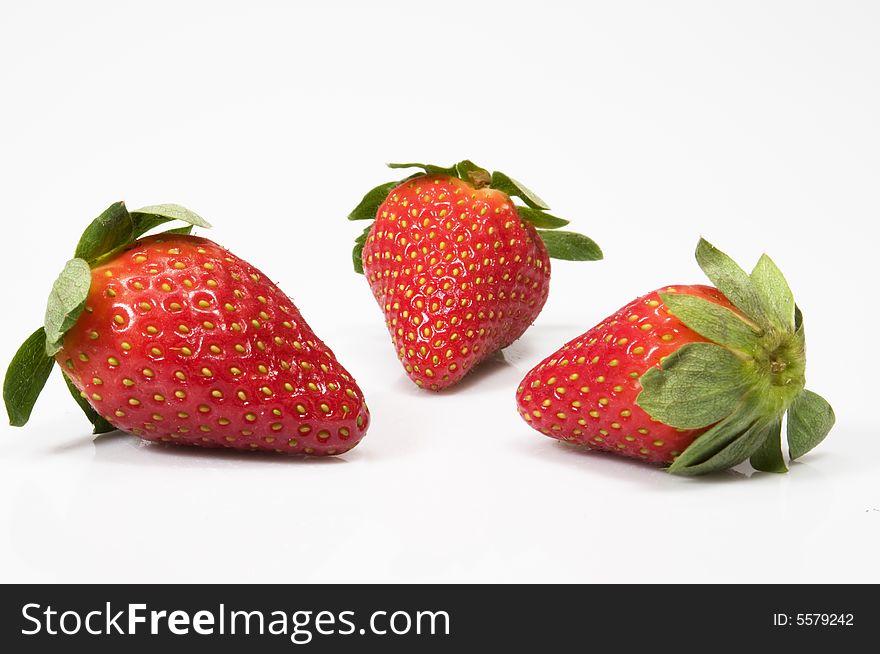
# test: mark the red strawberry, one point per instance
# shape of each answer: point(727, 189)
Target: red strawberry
point(459, 270)
point(687, 375)
point(180, 341)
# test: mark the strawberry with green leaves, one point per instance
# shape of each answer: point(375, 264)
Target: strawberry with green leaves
point(175, 339)
point(459, 269)
point(694, 377)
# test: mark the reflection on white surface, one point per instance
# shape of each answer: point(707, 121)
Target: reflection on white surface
point(469, 494)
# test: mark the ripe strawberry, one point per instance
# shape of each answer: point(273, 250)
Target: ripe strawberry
point(178, 340)
point(459, 270)
point(692, 376)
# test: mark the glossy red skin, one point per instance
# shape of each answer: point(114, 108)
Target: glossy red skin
point(598, 405)
point(139, 389)
point(457, 273)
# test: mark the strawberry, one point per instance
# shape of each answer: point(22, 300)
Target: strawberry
point(694, 377)
point(174, 339)
point(458, 268)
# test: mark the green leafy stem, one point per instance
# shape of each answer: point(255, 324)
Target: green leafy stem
point(744, 380)
point(566, 245)
point(107, 235)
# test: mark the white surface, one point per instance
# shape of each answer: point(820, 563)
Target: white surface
point(754, 124)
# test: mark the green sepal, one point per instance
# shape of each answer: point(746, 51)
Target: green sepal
point(117, 228)
point(570, 246)
point(774, 293)
point(733, 281)
point(358, 251)
point(430, 169)
point(540, 219)
point(66, 302)
point(111, 230)
point(177, 231)
point(167, 213)
point(25, 378)
point(99, 423)
point(471, 172)
point(367, 208)
point(799, 327)
point(729, 443)
point(695, 386)
point(768, 457)
point(513, 188)
point(810, 418)
point(713, 321)
point(150, 217)
point(143, 223)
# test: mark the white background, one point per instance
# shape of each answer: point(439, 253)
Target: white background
point(752, 123)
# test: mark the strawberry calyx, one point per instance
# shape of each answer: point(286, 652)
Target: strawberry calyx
point(111, 232)
point(566, 245)
point(743, 381)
